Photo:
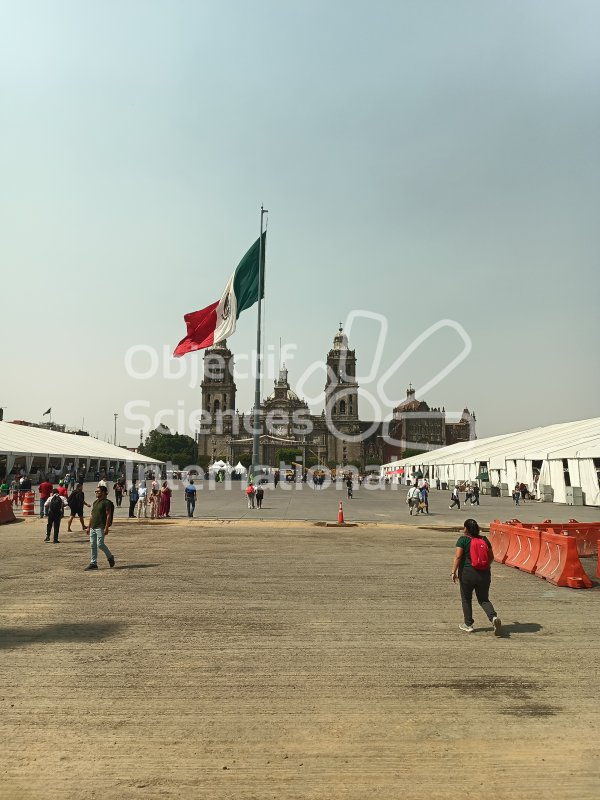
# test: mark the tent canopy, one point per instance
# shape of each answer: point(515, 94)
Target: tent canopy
point(27, 441)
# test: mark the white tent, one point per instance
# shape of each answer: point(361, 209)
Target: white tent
point(550, 459)
point(36, 448)
point(240, 469)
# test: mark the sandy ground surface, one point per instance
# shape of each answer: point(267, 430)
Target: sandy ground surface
point(282, 660)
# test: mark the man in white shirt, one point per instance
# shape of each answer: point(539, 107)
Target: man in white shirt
point(412, 498)
point(142, 503)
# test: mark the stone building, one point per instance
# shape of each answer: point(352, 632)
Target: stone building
point(285, 421)
point(335, 436)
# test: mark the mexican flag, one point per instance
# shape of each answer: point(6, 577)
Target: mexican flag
point(217, 321)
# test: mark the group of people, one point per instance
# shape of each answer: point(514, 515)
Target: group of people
point(417, 497)
point(471, 495)
point(157, 500)
point(254, 495)
point(520, 493)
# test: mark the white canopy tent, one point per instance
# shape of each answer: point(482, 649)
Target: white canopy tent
point(552, 457)
point(33, 449)
point(240, 469)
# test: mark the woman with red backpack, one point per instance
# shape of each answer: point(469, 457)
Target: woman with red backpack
point(472, 568)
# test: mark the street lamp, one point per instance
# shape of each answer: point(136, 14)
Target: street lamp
point(115, 438)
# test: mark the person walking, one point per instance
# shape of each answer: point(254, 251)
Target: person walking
point(472, 569)
point(455, 498)
point(45, 490)
point(412, 499)
point(516, 495)
point(260, 493)
point(54, 508)
point(349, 488)
point(133, 498)
point(100, 521)
point(142, 503)
point(118, 490)
point(76, 503)
point(475, 495)
point(190, 498)
point(62, 490)
point(424, 499)
point(250, 494)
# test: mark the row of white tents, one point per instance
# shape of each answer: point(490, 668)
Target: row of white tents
point(553, 461)
point(25, 448)
point(225, 466)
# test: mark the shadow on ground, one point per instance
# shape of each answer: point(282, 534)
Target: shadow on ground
point(61, 632)
point(136, 566)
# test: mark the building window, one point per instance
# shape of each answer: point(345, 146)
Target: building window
point(217, 406)
point(342, 406)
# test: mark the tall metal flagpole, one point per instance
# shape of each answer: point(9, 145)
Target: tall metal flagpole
point(256, 431)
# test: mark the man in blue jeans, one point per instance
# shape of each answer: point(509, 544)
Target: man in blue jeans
point(100, 521)
point(190, 498)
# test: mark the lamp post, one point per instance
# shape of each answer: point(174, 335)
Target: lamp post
point(115, 439)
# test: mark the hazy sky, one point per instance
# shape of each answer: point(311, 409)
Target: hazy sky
point(421, 161)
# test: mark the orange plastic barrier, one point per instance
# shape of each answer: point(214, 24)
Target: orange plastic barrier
point(587, 534)
point(559, 562)
point(524, 549)
point(499, 537)
point(28, 504)
point(6, 511)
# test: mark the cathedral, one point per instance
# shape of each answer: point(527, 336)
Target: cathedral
point(336, 436)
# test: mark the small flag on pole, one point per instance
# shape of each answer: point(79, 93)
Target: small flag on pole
point(47, 412)
point(217, 321)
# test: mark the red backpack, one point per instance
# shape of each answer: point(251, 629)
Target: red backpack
point(480, 553)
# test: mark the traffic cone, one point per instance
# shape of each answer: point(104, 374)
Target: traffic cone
point(341, 514)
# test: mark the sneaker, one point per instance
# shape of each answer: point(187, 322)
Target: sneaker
point(91, 566)
point(56, 541)
point(467, 628)
point(111, 562)
point(47, 539)
point(497, 626)
point(450, 507)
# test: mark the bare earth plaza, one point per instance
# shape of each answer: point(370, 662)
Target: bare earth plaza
point(270, 657)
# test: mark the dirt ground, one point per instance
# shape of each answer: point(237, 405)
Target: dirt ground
point(281, 660)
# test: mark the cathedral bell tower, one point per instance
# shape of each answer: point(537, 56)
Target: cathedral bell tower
point(218, 401)
point(341, 402)
point(341, 388)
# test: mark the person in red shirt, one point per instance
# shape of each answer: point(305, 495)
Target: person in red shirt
point(62, 489)
point(45, 490)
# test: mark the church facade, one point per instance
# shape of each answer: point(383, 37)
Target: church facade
point(336, 436)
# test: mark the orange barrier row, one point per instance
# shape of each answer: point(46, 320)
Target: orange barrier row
point(587, 534)
point(545, 553)
point(6, 511)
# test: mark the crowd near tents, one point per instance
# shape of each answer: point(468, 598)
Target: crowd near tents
point(25, 449)
point(556, 462)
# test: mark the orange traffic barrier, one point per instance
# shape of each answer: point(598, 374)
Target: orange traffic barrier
point(499, 537)
point(6, 511)
point(587, 534)
point(559, 563)
point(524, 549)
point(28, 504)
point(341, 514)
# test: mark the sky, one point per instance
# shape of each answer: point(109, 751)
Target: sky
point(431, 172)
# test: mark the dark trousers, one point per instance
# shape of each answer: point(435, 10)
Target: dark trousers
point(470, 580)
point(455, 503)
point(53, 522)
point(191, 505)
point(132, 505)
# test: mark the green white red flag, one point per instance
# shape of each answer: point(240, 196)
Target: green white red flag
point(217, 321)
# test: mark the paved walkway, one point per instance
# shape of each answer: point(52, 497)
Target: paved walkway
point(300, 501)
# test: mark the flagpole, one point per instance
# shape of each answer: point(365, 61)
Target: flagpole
point(256, 432)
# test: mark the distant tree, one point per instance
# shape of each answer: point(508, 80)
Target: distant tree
point(246, 460)
point(287, 455)
point(409, 453)
point(174, 447)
